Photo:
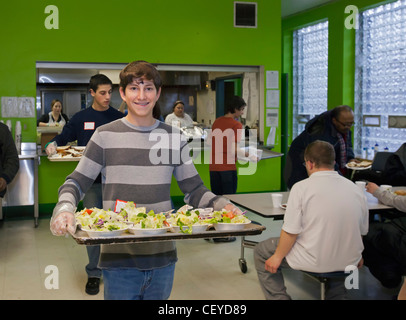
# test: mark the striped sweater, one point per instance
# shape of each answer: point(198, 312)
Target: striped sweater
point(137, 164)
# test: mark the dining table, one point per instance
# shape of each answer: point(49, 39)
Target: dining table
point(261, 204)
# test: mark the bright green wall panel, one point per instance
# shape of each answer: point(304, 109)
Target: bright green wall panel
point(264, 177)
point(51, 175)
point(159, 31)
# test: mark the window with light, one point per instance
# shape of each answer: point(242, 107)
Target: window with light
point(380, 79)
point(310, 67)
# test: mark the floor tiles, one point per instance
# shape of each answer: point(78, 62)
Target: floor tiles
point(205, 270)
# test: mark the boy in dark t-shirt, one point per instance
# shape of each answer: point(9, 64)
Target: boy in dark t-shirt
point(81, 128)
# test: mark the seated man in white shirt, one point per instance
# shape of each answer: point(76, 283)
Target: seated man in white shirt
point(325, 219)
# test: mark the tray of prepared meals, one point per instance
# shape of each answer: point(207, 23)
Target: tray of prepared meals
point(359, 164)
point(131, 224)
point(67, 153)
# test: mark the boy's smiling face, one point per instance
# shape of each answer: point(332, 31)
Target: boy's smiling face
point(140, 96)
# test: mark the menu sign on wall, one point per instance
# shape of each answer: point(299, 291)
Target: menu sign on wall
point(17, 107)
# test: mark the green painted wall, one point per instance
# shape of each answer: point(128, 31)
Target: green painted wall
point(341, 59)
point(159, 31)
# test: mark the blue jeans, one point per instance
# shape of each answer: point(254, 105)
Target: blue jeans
point(93, 198)
point(134, 284)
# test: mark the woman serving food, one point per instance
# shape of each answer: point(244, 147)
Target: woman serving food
point(55, 117)
point(178, 117)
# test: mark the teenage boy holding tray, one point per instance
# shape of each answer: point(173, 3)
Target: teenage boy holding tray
point(130, 155)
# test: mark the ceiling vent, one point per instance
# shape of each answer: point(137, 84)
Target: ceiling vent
point(245, 14)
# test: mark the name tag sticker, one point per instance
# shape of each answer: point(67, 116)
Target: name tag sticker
point(89, 126)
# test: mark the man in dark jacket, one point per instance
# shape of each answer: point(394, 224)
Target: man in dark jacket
point(332, 126)
point(9, 162)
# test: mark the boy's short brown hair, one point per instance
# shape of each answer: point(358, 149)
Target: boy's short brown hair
point(321, 153)
point(138, 69)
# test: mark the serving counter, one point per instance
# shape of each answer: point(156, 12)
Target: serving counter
point(46, 134)
point(197, 146)
point(262, 176)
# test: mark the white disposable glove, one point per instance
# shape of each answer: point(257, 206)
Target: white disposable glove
point(63, 223)
point(254, 158)
point(51, 148)
point(232, 208)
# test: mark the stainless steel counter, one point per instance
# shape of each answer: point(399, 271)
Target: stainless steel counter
point(23, 190)
point(197, 146)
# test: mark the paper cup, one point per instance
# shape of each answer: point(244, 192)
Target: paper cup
point(361, 184)
point(385, 187)
point(276, 200)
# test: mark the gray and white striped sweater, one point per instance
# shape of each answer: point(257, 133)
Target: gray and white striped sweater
point(137, 164)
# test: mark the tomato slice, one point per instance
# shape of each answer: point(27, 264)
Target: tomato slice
point(229, 215)
point(88, 211)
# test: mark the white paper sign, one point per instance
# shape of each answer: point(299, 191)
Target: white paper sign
point(270, 141)
point(272, 117)
point(272, 79)
point(17, 107)
point(272, 98)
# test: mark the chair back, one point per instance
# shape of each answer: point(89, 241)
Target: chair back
point(379, 162)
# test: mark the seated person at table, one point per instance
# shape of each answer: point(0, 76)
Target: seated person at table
point(393, 174)
point(332, 126)
point(385, 243)
point(321, 232)
point(55, 117)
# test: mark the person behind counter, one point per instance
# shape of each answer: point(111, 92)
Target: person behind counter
point(178, 117)
point(81, 128)
point(223, 169)
point(54, 118)
point(332, 126)
point(131, 270)
point(385, 243)
point(9, 161)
